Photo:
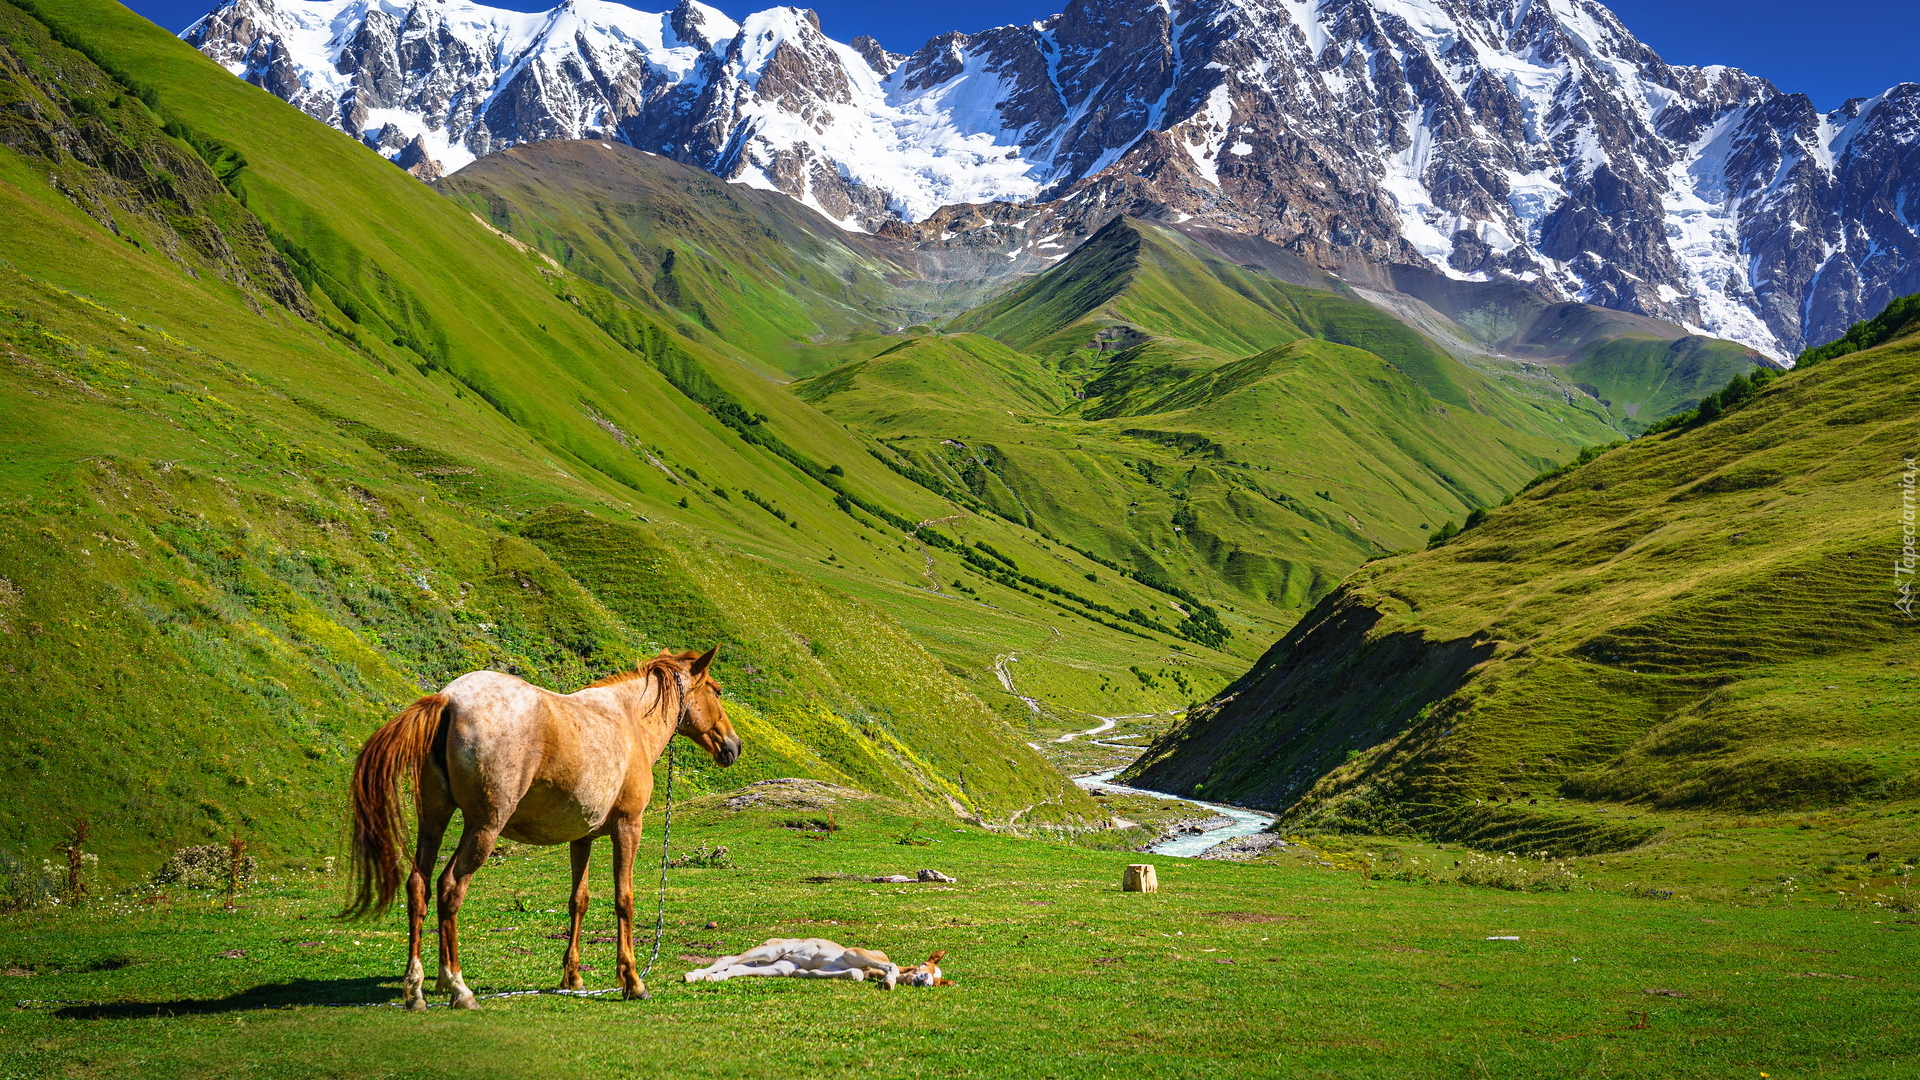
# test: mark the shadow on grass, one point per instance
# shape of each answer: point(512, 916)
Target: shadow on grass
point(282, 995)
point(362, 993)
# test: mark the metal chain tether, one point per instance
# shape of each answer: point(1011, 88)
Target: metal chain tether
point(666, 848)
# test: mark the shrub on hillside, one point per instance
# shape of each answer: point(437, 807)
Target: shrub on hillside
point(1448, 531)
point(1738, 389)
point(23, 884)
point(1413, 870)
point(1516, 874)
point(203, 867)
point(1901, 315)
point(1587, 454)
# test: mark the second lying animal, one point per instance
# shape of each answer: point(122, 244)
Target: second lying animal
point(818, 958)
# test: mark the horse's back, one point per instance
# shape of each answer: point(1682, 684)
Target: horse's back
point(550, 764)
point(493, 717)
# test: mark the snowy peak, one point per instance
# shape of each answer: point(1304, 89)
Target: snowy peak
point(1536, 141)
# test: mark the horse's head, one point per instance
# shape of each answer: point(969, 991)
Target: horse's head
point(702, 718)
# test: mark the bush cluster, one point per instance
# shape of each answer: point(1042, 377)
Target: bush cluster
point(204, 866)
point(1895, 319)
point(1474, 517)
point(24, 884)
point(1509, 871)
point(1738, 389)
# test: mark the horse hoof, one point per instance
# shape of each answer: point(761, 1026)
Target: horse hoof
point(416, 1004)
point(467, 1002)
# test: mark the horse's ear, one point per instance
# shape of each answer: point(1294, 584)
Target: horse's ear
point(702, 662)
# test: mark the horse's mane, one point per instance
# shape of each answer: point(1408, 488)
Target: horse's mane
point(647, 668)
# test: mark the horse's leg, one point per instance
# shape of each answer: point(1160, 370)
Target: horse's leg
point(626, 842)
point(850, 974)
point(576, 910)
point(476, 843)
point(436, 810)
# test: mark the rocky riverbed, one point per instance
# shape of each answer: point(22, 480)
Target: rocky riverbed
point(1187, 837)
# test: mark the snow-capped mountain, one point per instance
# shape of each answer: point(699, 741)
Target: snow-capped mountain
point(1532, 139)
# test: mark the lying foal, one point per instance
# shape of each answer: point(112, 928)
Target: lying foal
point(817, 958)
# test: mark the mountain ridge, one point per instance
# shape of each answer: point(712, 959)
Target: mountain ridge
point(1532, 142)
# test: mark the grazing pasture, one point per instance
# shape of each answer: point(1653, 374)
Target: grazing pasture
point(1289, 969)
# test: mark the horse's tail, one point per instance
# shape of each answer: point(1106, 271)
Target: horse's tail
point(398, 750)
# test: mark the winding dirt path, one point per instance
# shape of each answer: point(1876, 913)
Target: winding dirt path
point(1107, 723)
point(1006, 681)
point(933, 579)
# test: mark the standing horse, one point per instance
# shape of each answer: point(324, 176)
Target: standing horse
point(533, 766)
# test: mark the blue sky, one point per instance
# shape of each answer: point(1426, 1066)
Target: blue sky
point(1830, 52)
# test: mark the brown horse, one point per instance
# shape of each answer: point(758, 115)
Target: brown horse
point(533, 766)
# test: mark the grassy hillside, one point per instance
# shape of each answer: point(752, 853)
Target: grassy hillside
point(943, 373)
point(1693, 627)
point(744, 271)
point(1141, 305)
point(1130, 281)
point(1134, 428)
point(1247, 477)
point(1365, 460)
point(1639, 369)
point(608, 210)
point(1636, 369)
point(290, 438)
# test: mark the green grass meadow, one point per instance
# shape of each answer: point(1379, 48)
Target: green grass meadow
point(1302, 968)
point(288, 438)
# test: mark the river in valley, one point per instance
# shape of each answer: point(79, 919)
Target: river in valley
point(1238, 822)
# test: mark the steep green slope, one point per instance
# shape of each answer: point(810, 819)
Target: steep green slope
point(1638, 369)
point(742, 270)
point(1141, 306)
point(942, 373)
point(1642, 380)
point(1253, 482)
point(289, 438)
point(1132, 281)
point(1258, 483)
point(598, 218)
point(1701, 622)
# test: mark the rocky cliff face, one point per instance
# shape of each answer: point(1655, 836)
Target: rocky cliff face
point(1535, 141)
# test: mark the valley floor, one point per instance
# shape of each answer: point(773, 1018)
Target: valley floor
point(1302, 968)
